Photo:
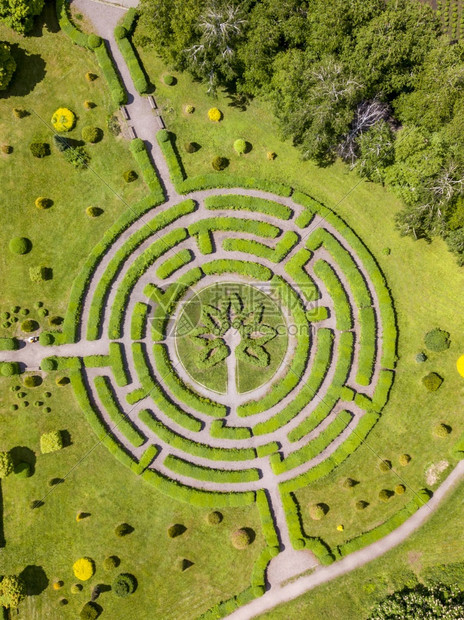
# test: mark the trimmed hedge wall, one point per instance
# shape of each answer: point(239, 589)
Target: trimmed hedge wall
point(67, 26)
point(249, 203)
point(176, 170)
point(215, 180)
point(295, 269)
point(185, 468)
point(244, 268)
point(234, 224)
point(139, 320)
point(117, 363)
point(267, 520)
point(249, 246)
point(149, 174)
point(342, 306)
point(220, 430)
point(118, 417)
point(193, 447)
point(9, 344)
point(268, 448)
point(133, 63)
point(368, 346)
point(118, 92)
point(146, 459)
point(173, 263)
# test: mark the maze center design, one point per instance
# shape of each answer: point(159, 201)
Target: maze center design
point(287, 398)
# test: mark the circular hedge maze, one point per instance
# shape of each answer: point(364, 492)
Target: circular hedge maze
point(232, 343)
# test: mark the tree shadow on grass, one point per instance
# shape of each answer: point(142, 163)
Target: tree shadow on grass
point(47, 21)
point(22, 454)
point(30, 71)
point(35, 579)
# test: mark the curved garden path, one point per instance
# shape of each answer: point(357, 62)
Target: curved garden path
point(289, 563)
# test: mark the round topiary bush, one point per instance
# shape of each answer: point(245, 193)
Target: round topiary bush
point(46, 339)
point(39, 149)
point(361, 504)
point(84, 568)
point(437, 340)
point(63, 119)
point(8, 369)
point(92, 134)
point(242, 538)
point(48, 364)
point(318, 511)
point(94, 41)
point(404, 459)
point(51, 442)
point(240, 146)
point(442, 430)
point(90, 77)
point(112, 561)
point(43, 203)
point(385, 465)
point(189, 109)
point(163, 135)
point(385, 495)
point(169, 80)
point(176, 530)
point(349, 483)
point(20, 245)
point(432, 381)
point(23, 470)
point(7, 149)
point(130, 176)
point(214, 518)
point(90, 611)
point(93, 211)
point(120, 32)
point(124, 584)
point(271, 155)
point(76, 588)
point(25, 311)
point(55, 320)
point(14, 407)
point(190, 147)
point(421, 357)
point(29, 325)
point(220, 163)
point(215, 115)
point(400, 489)
point(299, 544)
point(31, 381)
point(123, 529)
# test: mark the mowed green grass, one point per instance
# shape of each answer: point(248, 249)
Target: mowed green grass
point(432, 554)
point(423, 277)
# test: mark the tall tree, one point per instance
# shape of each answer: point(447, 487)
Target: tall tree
point(7, 65)
point(19, 14)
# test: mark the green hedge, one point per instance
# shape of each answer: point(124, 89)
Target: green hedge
point(308, 390)
point(422, 497)
point(133, 64)
point(139, 320)
point(153, 389)
point(267, 448)
point(193, 447)
point(118, 417)
point(145, 460)
point(205, 242)
point(249, 203)
point(67, 26)
point(173, 263)
point(244, 268)
point(9, 344)
point(305, 218)
point(284, 386)
point(219, 179)
point(234, 224)
point(153, 226)
point(343, 315)
point(313, 447)
point(186, 395)
point(295, 269)
point(166, 140)
point(276, 255)
point(267, 520)
point(185, 468)
point(149, 174)
point(117, 363)
point(220, 430)
point(138, 267)
point(130, 19)
point(118, 92)
point(368, 346)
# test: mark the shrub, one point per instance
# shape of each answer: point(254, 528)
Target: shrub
point(57, 585)
point(76, 588)
point(349, 483)
point(77, 157)
point(7, 149)
point(90, 77)
point(240, 146)
point(385, 465)
point(169, 80)
point(437, 340)
point(385, 495)
point(404, 459)
point(93, 211)
point(90, 611)
point(124, 584)
point(92, 134)
point(361, 504)
point(9, 344)
point(386, 251)
point(120, 32)
point(318, 511)
point(61, 143)
point(432, 381)
point(89, 105)
point(39, 149)
point(421, 357)
point(8, 369)
point(51, 442)
point(442, 430)
point(39, 273)
point(400, 489)
point(43, 203)
point(220, 163)
point(130, 176)
point(189, 109)
point(163, 135)
point(84, 568)
point(63, 119)
point(31, 381)
point(123, 529)
point(20, 112)
point(62, 381)
point(190, 147)
point(12, 591)
point(48, 364)
point(176, 530)
point(6, 464)
point(271, 155)
point(112, 561)
point(214, 518)
point(94, 41)
point(242, 538)
point(46, 339)
point(29, 325)
point(214, 115)
point(20, 245)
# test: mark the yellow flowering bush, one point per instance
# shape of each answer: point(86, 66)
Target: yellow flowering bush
point(84, 568)
point(214, 115)
point(460, 365)
point(63, 119)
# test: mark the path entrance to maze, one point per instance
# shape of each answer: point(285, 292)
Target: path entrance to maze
point(247, 346)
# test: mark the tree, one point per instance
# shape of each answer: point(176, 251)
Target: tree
point(375, 151)
point(367, 115)
point(420, 602)
point(7, 65)
point(6, 464)
point(12, 591)
point(19, 14)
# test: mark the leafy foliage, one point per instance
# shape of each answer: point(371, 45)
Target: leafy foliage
point(441, 601)
point(19, 14)
point(12, 591)
point(437, 340)
point(7, 65)
point(6, 464)
point(52, 442)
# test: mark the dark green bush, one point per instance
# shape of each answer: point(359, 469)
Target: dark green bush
point(48, 364)
point(29, 325)
point(118, 91)
point(31, 381)
point(92, 134)
point(130, 176)
point(55, 320)
point(169, 80)
point(437, 340)
point(123, 529)
point(176, 530)
point(220, 163)
point(111, 562)
point(94, 41)
point(77, 157)
point(385, 465)
point(61, 143)
point(40, 149)
point(23, 470)
point(385, 495)
point(432, 381)
point(90, 611)
point(124, 584)
point(421, 357)
point(20, 245)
